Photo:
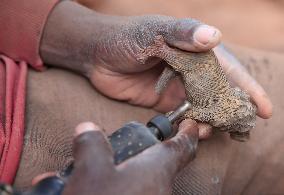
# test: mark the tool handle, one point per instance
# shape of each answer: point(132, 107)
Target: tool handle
point(131, 139)
point(134, 137)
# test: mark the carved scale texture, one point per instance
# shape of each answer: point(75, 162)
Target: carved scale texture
point(213, 100)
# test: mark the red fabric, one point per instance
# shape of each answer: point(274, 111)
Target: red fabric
point(12, 86)
point(21, 26)
point(22, 23)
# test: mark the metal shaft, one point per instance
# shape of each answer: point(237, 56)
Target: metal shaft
point(179, 111)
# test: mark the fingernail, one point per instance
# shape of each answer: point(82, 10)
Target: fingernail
point(206, 34)
point(86, 127)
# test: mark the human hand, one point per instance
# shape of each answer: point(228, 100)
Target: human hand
point(150, 172)
point(135, 82)
point(239, 76)
point(105, 47)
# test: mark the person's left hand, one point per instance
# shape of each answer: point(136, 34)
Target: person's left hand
point(108, 55)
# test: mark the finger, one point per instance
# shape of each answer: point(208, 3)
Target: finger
point(205, 131)
point(240, 77)
point(258, 95)
point(91, 149)
point(168, 157)
point(184, 144)
point(42, 176)
point(192, 35)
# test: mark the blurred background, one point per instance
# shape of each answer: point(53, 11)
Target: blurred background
point(252, 23)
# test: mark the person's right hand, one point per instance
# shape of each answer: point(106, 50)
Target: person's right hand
point(151, 172)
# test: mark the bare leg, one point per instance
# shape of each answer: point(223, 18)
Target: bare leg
point(59, 100)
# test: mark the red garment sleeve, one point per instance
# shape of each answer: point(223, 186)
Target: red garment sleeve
point(21, 26)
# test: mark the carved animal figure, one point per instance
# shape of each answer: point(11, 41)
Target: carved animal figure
point(213, 100)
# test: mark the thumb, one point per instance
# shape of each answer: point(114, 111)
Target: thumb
point(192, 35)
point(92, 148)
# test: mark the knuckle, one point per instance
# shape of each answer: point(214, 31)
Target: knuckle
point(188, 23)
point(188, 124)
point(185, 145)
point(182, 30)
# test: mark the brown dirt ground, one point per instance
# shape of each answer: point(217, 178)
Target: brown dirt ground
point(253, 23)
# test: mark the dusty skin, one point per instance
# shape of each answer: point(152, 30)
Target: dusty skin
point(68, 99)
